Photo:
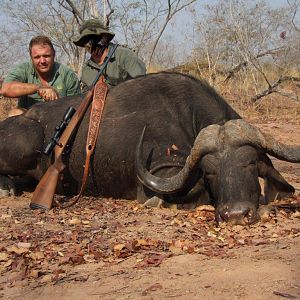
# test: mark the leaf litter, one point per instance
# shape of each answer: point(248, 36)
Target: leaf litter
point(39, 247)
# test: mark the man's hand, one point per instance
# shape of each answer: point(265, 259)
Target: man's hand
point(48, 93)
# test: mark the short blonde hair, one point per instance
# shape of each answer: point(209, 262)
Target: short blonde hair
point(40, 40)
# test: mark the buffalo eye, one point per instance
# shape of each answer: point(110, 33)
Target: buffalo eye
point(251, 163)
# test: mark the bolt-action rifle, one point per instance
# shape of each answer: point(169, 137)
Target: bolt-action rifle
point(44, 192)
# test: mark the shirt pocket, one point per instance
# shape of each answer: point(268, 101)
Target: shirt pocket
point(61, 89)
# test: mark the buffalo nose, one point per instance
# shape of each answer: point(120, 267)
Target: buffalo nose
point(241, 215)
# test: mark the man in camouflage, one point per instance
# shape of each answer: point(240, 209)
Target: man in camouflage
point(123, 65)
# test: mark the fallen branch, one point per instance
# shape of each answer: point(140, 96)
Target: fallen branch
point(288, 95)
point(243, 64)
point(272, 88)
point(285, 295)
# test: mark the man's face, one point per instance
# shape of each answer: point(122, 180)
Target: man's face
point(42, 57)
point(96, 47)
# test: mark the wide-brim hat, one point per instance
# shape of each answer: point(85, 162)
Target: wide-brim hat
point(92, 28)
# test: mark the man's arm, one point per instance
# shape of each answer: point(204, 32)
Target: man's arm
point(16, 85)
point(15, 89)
point(16, 82)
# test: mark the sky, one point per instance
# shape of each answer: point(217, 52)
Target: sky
point(200, 3)
point(273, 3)
point(276, 3)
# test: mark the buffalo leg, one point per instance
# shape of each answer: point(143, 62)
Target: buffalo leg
point(7, 187)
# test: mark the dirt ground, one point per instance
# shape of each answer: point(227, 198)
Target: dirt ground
point(114, 249)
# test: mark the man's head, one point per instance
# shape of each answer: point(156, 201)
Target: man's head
point(93, 31)
point(42, 54)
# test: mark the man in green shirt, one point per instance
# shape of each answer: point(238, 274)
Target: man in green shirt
point(123, 65)
point(41, 79)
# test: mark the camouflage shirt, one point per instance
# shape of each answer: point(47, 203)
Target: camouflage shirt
point(123, 65)
point(63, 80)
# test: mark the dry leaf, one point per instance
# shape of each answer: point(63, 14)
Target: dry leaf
point(17, 250)
point(35, 274)
point(40, 223)
point(259, 242)
point(143, 242)
point(296, 214)
point(138, 207)
point(47, 278)
point(211, 234)
point(205, 208)
point(154, 260)
point(89, 258)
point(36, 255)
point(24, 245)
point(175, 250)
point(238, 228)
point(119, 247)
point(74, 221)
point(3, 256)
point(177, 222)
point(77, 259)
point(6, 216)
point(8, 263)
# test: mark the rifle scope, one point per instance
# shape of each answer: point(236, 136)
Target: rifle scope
point(59, 130)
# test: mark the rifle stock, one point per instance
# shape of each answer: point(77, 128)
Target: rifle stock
point(43, 195)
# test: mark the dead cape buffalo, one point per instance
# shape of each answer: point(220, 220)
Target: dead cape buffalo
point(194, 147)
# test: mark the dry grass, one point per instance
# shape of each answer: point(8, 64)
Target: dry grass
point(6, 104)
point(273, 107)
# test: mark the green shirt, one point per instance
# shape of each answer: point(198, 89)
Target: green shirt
point(123, 65)
point(63, 80)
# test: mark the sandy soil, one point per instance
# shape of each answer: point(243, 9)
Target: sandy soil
point(114, 249)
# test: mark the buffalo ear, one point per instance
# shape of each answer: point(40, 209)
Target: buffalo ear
point(275, 186)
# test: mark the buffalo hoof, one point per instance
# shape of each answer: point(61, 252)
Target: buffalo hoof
point(154, 202)
point(187, 206)
point(7, 187)
point(266, 212)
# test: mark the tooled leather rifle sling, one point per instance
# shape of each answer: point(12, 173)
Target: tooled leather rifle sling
point(99, 97)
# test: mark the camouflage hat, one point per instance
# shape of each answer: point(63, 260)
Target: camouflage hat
point(89, 29)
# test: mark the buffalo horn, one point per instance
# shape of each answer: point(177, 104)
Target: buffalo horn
point(241, 132)
point(205, 142)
